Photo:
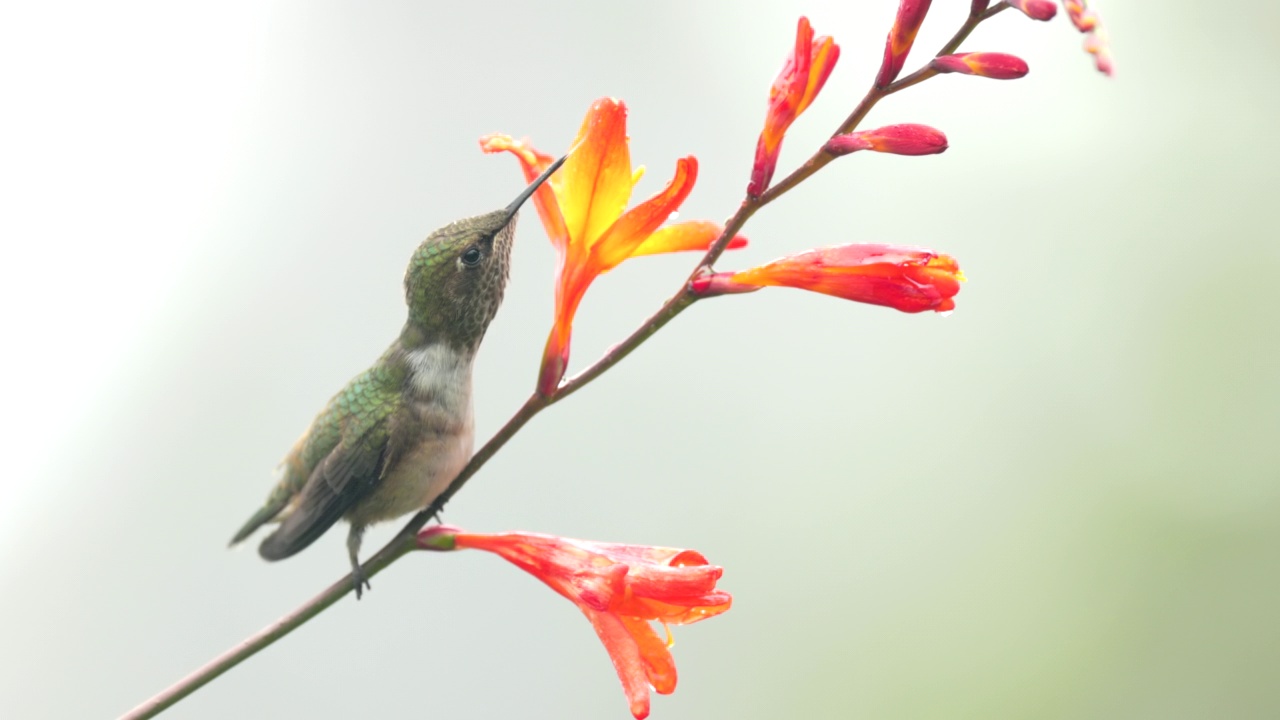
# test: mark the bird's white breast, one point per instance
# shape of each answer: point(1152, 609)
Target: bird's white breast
point(440, 397)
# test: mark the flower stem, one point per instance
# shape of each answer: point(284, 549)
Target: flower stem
point(403, 542)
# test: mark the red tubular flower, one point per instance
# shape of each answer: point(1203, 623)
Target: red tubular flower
point(906, 279)
point(903, 34)
point(620, 588)
point(997, 66)
point(582, 206)
point(907, 139)
point(800, 81)
point(1035, 9)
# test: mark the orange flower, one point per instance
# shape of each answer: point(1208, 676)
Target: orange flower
point(905, 279)
point(802, 77)
point(582, 206)
point(620, 588)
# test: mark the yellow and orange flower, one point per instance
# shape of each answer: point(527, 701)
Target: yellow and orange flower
point(584, 210)
point(801, 79)
point(620, 588)
point(906, 279)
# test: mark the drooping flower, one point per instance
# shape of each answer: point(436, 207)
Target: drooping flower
point(1035, 9)
point(906, 279)
point(906, 139)
point(997, 66)
point(620, 588)
point(800, 81)
point(582, 208)
point(901, 37)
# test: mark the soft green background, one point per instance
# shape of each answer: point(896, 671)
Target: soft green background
point(1063, 501)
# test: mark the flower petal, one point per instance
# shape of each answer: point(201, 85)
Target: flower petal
point(659, 666)
point(533, 162)
point(625, 235)
point(596, 182)
point(627, 661)
point(685, 236)
point(706, 606)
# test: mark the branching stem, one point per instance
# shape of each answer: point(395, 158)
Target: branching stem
point(403, 542)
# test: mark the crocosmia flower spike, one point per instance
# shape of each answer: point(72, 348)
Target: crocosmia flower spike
point(584, 210)
point(906, 279)
point(997, 66)
point(901, 37)
point(801, 79)
point(619, 588)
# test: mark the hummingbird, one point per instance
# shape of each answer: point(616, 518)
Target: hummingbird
point(394, 438)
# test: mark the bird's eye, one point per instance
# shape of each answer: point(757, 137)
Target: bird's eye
point(471, 257)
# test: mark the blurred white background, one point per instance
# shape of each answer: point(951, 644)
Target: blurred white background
point(1060, 502)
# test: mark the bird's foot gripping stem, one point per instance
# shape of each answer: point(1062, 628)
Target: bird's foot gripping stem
point(358, 579)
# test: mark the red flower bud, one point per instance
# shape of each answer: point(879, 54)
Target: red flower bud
point(1035, 9)
point(903, 34)
point(905, 279)
point(983, 64)
point(907, 139)
point(979, 6)
point(802, 77)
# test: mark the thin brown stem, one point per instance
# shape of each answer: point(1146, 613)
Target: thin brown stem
point(403, 542)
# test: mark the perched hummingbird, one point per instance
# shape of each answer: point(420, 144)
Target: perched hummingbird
point(395, 437)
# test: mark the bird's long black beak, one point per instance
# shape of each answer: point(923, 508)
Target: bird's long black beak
point(533, 186)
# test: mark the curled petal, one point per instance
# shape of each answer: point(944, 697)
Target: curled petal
point(638, 223)
point(677, 613)
point(532, 163)
point(681, 237)
point(905, 279)
point(906, 139)
point(901, 37)
point(997, 66)
point(1035, 9)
